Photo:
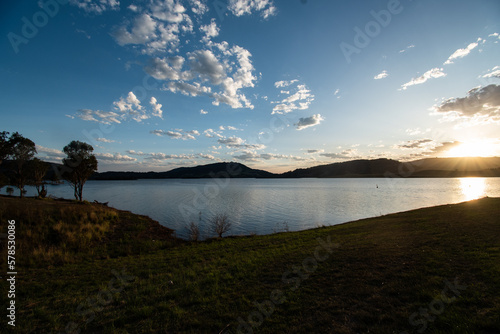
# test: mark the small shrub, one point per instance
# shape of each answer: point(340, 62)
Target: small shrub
point(220, 224)
point(194, 231)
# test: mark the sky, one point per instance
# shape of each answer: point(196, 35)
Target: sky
point(277, 85)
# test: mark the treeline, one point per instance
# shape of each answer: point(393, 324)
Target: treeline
point(20, 168)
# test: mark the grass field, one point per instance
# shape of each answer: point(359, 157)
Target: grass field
point(89, 268)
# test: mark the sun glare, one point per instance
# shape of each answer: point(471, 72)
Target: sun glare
point(472, 188)
point(478, 148)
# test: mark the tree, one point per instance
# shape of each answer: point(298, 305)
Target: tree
point(79, 165)
point(194, 231)
point(22, 150)
point(38, 169)
point(220, 224)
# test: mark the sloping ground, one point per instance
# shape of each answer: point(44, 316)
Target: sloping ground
point(433, 270)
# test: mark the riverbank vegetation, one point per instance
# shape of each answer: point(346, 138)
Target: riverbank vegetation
point(88, 267)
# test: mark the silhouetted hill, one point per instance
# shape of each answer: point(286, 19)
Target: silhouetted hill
point(431, 167)
point(354, 168)
point(221, 169)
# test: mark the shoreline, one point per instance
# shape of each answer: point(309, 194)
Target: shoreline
point(386, 267)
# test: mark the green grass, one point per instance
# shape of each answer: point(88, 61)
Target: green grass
point(384, 270)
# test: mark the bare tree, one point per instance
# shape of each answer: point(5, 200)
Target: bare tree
point(194, 231)
point(220, 224)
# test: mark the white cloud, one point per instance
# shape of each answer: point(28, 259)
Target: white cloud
point(307, 122)
point(381, 75)
point(246, 7)
point(133, 8)
point(481, 105)
point(211, 133)
point(114, 158)
point(203, 112)
point(177, 134)
point(185, 88)
point(104, 117)
point(143, 31)
point(432, 73)
point(210, 30)
point(236, 142)
point(300, 99)
point(131, 106)
point(96, 6)
point(493, 73)
point(284, 83)
point(49, 154)
point(165, 68)
point(156, 29)
point(407, 48)
point(156, 107)
point(133, 152)
point(104, 140)
point(207, 70)
point(205, 64)
point(198, 7)
point(460, 53)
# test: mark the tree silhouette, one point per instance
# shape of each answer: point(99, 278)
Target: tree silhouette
point(220, 224)
point(38, 169)
point(22, 150)
point(79, 165)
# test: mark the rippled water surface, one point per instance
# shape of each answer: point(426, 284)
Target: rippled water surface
point(263, 206)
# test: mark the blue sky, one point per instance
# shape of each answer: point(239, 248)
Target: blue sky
point(273, 84)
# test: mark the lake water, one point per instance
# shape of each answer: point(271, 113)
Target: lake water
point(264, 206)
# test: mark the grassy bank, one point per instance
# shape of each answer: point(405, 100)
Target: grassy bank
point(97, 269)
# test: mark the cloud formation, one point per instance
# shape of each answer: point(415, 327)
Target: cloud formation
point(493, 73)
point(114, 158)
point(381, 75)
point(239, 143)
point(177, 134)
point(266, 8)
point(411, 144)
point(460, 53)
point(432, 73)
point(104, 117)
point(480, 105)
point(344, 155)
point(299, 97)
point(96, 6)
point(306, 122)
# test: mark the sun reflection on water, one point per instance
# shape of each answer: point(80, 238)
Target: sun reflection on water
point(473, 187)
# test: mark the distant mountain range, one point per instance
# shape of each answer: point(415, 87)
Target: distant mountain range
point(431, 167)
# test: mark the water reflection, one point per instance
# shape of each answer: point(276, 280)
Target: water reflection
point(473, 187)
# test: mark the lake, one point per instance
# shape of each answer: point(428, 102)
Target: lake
point(264, 206)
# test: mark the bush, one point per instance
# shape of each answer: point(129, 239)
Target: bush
point(194, 231)
point(220, 224)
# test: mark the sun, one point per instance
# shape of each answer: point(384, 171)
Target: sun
point(474, 148)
